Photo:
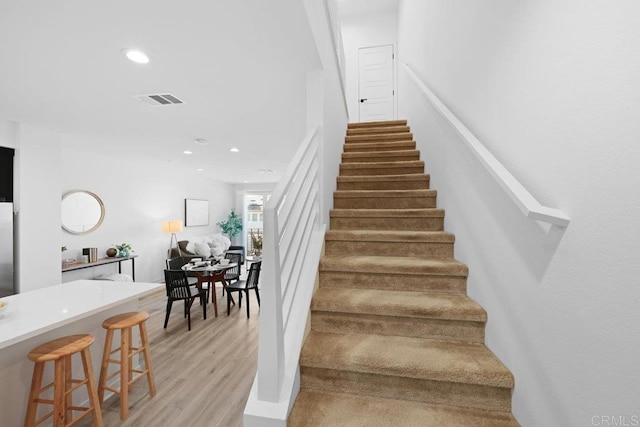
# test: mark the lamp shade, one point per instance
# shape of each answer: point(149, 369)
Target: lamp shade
point(173, 226)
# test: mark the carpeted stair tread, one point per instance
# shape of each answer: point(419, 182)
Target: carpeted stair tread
point(380, 156)
point(384, 123)
point(389, 236)
point(387, 213)
point(380, 165)
point(383, 193)
point(379, 146)
point(398, 304)
point(418, 198)
point(376, 178)
point(393, 265)
point(315, 408)
point(416, 181)
point(383, 137)
point(377, 130)
point(418, 358)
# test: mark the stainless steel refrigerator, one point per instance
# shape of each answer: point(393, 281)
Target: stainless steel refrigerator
point(6, 249)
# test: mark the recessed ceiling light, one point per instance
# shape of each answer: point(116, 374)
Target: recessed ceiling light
point(136, 56)
point(245, 181)
point(200, 170)
point(201, 141)
point(187, 152)
point(234, 150)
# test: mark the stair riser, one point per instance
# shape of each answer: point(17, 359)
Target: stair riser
point(422, 184)
point(439, 284)
point(378, 130)
point(379, 146)
point(349, 158)
point(401, 388)
point(401, 223)
point(345, 170)
point(455, 330)
point(321, 408)
point(381, 124)
point(418, 249)
point(384, 203)
point(405, 136)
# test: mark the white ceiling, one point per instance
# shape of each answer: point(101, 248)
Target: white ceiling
point(240, 67)
point(350, 8)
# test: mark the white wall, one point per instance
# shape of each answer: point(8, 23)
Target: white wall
point(8, 134)
point(137, 198)
point(552, 89)
point(333, 118)
point(367, 30)
point(37, 206)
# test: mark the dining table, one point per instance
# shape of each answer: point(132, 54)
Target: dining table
point(208, 272)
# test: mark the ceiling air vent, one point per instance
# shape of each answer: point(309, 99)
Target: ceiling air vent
point(157, 100)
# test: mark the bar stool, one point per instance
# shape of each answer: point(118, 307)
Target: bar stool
point(60, 352)
point(125, 322)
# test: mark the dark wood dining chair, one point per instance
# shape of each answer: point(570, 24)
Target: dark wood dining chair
point(178, 288)
point(233, 274)
point(245, 286)
point(176, 264)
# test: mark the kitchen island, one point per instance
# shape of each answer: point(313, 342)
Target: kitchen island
point(32, 318)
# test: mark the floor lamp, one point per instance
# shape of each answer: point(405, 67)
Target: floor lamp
point(173, 227)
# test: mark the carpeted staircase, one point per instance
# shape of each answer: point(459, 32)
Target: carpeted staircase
point(394, 339)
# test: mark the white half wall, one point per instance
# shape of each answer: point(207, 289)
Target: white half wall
point(374, 29)
point(552, 90)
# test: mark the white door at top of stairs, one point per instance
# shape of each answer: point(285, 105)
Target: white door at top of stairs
point(375, 83)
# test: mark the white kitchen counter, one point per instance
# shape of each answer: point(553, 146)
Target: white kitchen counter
point(35, 317)
point(33, 313)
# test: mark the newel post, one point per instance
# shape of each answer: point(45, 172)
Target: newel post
point(271, 333)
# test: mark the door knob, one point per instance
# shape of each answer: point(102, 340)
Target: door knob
point(363, 99)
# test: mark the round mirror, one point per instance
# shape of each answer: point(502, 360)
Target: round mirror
point(82, 211)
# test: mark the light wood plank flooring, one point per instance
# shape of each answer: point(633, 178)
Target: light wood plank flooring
point(203, 376)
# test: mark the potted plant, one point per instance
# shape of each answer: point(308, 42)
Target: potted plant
point(256, 242)
point(232, 226)
point(124, 250)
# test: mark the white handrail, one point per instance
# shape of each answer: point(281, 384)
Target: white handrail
point(292, 245)
point(525, 201)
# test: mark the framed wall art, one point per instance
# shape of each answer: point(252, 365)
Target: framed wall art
point(196, 212)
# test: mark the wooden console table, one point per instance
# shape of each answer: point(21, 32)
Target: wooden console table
point(103, 261)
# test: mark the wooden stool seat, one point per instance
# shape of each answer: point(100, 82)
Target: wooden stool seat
point(61, 347)
point(125, 320)
point(124, 323)
point(60, 351)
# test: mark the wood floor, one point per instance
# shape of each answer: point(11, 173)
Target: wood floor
point(203, 376)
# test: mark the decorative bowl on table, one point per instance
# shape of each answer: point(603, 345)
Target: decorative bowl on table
point(200, 263)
